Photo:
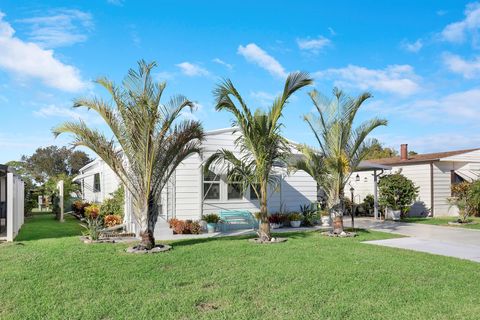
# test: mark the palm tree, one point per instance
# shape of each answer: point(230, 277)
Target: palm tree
point(341, 146)
point(149, 139)
point(261, 145)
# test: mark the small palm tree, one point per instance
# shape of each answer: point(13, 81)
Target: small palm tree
point(149, 140)
point(261, 145)
point(341, 146)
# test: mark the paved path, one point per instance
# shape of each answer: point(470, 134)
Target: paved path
point(448, 241)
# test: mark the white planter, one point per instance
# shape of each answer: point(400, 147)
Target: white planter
point(394, 215)
point(275, 225)
point(326, 221)
point(295, 224)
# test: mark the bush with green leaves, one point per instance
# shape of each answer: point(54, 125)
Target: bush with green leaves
point(397, 192)
point(211, 218)
point(369, 202)
point(473, 197)
point(115, 204)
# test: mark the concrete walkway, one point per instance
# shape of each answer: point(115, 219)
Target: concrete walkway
point(448, 241)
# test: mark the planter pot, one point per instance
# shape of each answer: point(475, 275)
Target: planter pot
point(275, 225)
point(326, 221)
point(211, 227)
point(394, 214)
point(295, 224)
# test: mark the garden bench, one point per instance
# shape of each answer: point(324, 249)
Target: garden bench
point(237, 219)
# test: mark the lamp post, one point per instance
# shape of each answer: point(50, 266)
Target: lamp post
point(352, 212)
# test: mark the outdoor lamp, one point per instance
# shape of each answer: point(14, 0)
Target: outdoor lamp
point(357, 178)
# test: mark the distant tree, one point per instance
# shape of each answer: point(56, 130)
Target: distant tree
point(52, 161)
point(412, 153)
point(376, 150)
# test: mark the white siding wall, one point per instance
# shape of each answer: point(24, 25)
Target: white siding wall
point(108, 182)
point(418, 173)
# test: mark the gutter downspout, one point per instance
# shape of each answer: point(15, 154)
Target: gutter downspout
point(432, 190)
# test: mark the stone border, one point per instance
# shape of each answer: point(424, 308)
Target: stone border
point(343, 234)
point(87, 240)
point(157, 249)
point(275, 240)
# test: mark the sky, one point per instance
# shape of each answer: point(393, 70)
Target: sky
point(419, 59)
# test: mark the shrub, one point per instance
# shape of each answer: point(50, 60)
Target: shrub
point(92, 211)
point(211, 218)
point(93, 226)
point(112, 220)
point(184, 227)
point(115, 204)
point(369, 202)
point(295, 216)
point(473, 197)
point(79, 206)
point(310, 214)
point(276, 218)
point(397, 192)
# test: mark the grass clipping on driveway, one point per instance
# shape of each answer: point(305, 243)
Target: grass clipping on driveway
point(308, 277)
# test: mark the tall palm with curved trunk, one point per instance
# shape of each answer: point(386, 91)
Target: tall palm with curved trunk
point(342, 146)
point(260, 145)
point(149, 140)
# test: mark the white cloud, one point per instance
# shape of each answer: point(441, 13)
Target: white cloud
point(313, 45)
point(264, 99)
point(254, 54)
point(223, 63)
point(332, 31)
point(192, 70)
point(397, 79)
point(116, 2)
point(59, 28)
point(28, 60)
point(53, 110)
point(468, 69)
point(457, 32)
point(412, 46)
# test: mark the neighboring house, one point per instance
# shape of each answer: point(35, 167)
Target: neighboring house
point(433, 173)
point(191, 194)
point(11, 203)
point(97, 181)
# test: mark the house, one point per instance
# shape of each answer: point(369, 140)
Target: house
point(433, 173)
point(190, 193)
point(11, 203)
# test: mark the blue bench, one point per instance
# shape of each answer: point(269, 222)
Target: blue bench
point(236, 220)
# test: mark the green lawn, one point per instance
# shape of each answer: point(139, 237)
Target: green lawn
point(443, 221)
point(308, 277)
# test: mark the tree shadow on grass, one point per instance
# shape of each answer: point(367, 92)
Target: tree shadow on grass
point(44, 226)
point(289, 235)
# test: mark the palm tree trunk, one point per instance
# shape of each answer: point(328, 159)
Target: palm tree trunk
point(337, 214)
point(264, 229)
point(147, 234)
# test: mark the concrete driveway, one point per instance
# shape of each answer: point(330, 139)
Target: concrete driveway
point(448, 241)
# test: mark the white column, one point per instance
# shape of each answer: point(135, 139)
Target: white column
point(375, 195)
point(10, 207)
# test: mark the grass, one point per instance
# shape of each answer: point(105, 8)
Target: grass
point(443, 221)
point(308, 277)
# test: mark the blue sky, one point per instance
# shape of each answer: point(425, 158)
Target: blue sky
point(420, 60)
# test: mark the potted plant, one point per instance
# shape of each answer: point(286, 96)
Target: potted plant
point(326, 220)
point(275, 220)
point(295, 219)
point(397, 194)
point(211, 219)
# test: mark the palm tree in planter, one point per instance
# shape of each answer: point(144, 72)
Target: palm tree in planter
point(261, 145)
point(341, 145)
point(149, 139)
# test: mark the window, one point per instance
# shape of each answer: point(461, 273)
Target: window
point(253, 195)
point(455, 179)
point(96, 182)
point(211, 186)
point(235, 190)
